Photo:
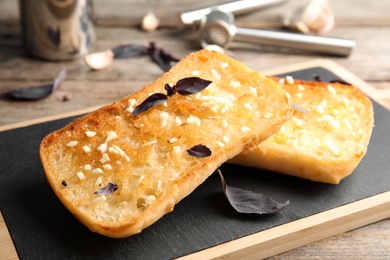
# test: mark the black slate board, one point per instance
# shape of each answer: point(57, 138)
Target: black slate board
point(41, 228)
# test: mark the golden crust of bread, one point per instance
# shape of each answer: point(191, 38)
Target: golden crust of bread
point(327, 143)
point(145, 155)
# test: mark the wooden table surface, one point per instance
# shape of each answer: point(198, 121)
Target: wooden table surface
point(117, 22)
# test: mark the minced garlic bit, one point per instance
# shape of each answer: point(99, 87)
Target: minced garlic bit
point(138, 181)
point(300, 87)
point(149, 199)
point(331, 89)
point(178, 121)
point(97, 171)
point(215, 73)
point(102, 148)
point(245, 129)
point(248, 106)
point(176, 149)
point(224, 65)
point(150, 142)
point(105, 158)
point(195, 73)
point(226, 139)
point(297, 121)
point(111, 135)
point(225, 123)
point(86, 148)
point(193, 120)
point(98, 181)
point(289, 80)
point(90, 133)
point(80, 175)
point(72, 143)
point(221, 144)
point(164, 118)
point(253, 91)
point(347, 123)
point(87, 167)
point(130, 105)
point(100, 198)
point(107, 167)
point(268, 115)
point(234, 84)
point(172, 140)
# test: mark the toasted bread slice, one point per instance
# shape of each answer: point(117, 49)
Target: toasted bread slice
point(324, 143)
point(142, 161)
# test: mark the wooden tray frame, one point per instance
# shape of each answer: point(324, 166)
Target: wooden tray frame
point(282, 238)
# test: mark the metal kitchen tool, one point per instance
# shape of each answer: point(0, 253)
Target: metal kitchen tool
point(217, 28)
point(235, 7)
point(57, 29)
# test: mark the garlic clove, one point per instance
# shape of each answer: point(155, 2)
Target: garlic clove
point(99, 60)
point(150, 22)
point(315, 17)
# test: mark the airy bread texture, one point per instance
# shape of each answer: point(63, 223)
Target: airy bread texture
point(326, 143)
point(146, 155)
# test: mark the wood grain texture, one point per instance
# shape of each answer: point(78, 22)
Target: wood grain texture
point(367, 22)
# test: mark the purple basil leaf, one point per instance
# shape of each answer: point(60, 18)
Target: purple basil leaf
point(161, 57)
point(36, 92)
point(244, 201)
point(150, 102)
point(191, 85)
point(129, 51)
point(108, 190)
point(199, 151)
point(170, 90)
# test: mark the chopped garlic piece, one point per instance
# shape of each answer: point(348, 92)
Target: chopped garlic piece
point(300, 87)
point(331, 89)
point(195, 73)
point(87, 167)
point(224, 65)
point(97, 171)
point(80, 175)
point(226, 139)
point(164, 118)
point(137, 182)
point(176, 149)
point(99, 199)
point(245, 129)
point(234, 84)
point(248, 106)
point(107, 167)
point(111, 136)
point(178, 121)
point(149, 199)
point(253, 91)
point(221, 144)
point(225, 123)
point(172, 140)
point(72, 143)
point(289, 80)
point(268, 115)
point(86, 148)
point(102, 148)
point(98, 181)
point(90, 133)
point(150, 142)
point(193, 120)
point(105, 158)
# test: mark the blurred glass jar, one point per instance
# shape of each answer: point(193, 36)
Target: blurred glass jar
point(57, 29)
